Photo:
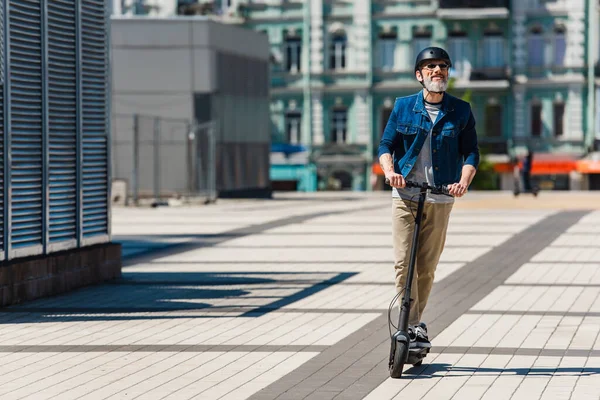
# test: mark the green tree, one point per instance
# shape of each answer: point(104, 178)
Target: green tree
point(466, 96)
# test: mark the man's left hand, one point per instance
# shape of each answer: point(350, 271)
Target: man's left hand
point(458, 189)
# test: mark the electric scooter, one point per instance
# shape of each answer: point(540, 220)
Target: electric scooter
point(400, 353)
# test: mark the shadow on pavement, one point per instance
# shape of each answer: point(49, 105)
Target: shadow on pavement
point(166, 295)
point(438, 370)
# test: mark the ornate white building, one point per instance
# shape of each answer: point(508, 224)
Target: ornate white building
point(527, 67)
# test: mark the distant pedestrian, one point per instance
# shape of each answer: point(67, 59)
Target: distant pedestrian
point(526, 171)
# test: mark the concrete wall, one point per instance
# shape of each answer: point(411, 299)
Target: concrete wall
point(184, 70)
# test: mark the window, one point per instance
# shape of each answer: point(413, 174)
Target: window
point(339, 125)
point(385, 117)
point(559, 114)
point(535, 47)
point(293, 124)
point(536, 120)
point(493, 120)
point(560, 46)
point(293, 53)
point(421, 39)
point(458, 46)
point(226, 5)
point(493, 50)
point(387, 50)
point(337, 55)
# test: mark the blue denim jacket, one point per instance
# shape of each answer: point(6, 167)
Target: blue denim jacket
point(453, 144)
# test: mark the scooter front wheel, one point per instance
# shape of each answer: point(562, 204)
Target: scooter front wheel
point(397, 364)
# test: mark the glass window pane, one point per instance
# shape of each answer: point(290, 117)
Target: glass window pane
point(560, 49)
point(535, 47)
point(493, 52)
point(387, 48)
point(493, 120)
point(559, 114)
point(293, 123)
point(459, 50)
point(536, 120)
point(339, 127)
point(293, 48)
point(337, 56)
point(418, 45)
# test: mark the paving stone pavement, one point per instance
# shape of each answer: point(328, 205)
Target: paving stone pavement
point(288, 299)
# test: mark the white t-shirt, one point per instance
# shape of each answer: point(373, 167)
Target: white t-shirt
point(422, 171)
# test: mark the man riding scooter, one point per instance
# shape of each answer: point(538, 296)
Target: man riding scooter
point(430, 137)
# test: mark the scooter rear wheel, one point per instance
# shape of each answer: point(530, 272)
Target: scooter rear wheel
point(397, 364)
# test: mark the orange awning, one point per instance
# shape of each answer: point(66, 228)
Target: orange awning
point(588, 166)
point(377, 169)
point(540, 167)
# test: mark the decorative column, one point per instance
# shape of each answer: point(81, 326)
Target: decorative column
point(574, 112)
point(519, 40)
point(520, 110)
point(361, 111)
point(575, 52)
point(316, 36)
point(361, 37)
point(317, 118)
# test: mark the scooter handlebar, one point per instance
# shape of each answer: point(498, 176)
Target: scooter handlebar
point(438, 189)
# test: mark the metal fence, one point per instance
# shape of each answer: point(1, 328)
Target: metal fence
point(164, 158)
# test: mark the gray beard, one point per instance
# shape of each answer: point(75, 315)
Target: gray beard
point(437, 86)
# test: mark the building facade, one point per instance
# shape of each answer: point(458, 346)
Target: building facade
point(190, 104)
point(526, 66)
point(338, 66)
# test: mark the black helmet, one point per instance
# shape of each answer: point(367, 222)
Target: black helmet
point(432, 53)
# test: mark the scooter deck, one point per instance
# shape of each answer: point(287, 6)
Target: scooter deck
point(416, 356)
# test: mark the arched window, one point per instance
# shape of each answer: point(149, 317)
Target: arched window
point(558, 117)
point(535, 47)
point(337, 50)
point(493, 48)
point(493, 119)
point(293, 124)
point(339, 124)
point(559, 45)
point(386, 111)
point(535, 117)
point(293, 53)
point(460, 52)
point(386, 49)
point(421, 39)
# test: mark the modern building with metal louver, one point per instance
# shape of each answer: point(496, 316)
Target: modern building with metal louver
point(54, 146)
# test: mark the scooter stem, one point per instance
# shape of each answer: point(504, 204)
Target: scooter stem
point(406, 300)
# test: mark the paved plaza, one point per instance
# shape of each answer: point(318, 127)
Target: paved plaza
point(288, 299)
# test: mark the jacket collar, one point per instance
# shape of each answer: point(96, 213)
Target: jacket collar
point(446, 104)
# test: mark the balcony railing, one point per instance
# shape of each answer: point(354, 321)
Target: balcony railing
point(489, 74)
point(475, 4)
point(493, 145)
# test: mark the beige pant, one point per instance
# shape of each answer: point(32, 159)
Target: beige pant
point(432, 238)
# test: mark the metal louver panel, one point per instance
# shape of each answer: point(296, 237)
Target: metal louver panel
point(95, 137)
point(26, 224)
point(2, 130)
point(62, 117)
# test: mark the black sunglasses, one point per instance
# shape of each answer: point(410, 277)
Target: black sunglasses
point(431, 67)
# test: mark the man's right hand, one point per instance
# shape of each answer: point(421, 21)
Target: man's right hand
point(396, 180)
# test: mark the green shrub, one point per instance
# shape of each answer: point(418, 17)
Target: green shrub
point(485, 178)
